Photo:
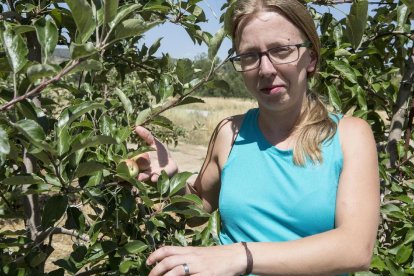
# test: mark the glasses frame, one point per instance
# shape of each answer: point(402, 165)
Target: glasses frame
point(306, 44)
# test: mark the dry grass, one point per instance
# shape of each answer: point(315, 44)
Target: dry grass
point(200, 119)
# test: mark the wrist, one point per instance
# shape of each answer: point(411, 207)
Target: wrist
point(249, 259)
point(240, 262)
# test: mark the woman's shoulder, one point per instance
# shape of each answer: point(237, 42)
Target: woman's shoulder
point(224, 136)
point(228, 128)
point(349, 124)
point(354, 131)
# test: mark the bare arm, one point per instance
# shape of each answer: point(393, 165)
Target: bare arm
point(349, 246)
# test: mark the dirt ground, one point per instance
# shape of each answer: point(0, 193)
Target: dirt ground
point(189, 157)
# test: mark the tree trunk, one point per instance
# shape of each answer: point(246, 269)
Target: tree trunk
point(400, 111)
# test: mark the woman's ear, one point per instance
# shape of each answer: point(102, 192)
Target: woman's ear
point(313, 62)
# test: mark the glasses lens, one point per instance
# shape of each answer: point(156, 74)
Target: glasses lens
point(284, 54)
point(246, 62)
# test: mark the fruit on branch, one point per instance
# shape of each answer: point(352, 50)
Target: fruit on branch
point(132, 167)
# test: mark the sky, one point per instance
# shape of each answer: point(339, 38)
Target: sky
point(178, 44)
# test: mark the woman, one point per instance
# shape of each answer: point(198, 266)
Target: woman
point(297, 188)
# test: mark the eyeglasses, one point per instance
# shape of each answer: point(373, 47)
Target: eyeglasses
point(278, 55)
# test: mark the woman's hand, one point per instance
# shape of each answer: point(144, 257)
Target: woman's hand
point(220, 260)
point(159, 159)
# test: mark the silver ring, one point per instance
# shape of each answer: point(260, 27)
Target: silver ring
point(186, 269)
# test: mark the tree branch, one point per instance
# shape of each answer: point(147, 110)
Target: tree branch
point(394, 33)
point(176, 100)
point(11, 15)
point(40, 87)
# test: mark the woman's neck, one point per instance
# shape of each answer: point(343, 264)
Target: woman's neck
point(279, 126)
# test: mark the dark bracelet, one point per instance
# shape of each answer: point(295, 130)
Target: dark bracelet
point(249, 257)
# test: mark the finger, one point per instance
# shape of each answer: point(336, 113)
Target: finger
point(143, 161)
point(180, 270)
point(164, 252)
point(172, 265)
point(154, 177)
point(146, 135)
point(144, 176)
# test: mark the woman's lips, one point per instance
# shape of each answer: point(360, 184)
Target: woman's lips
point(272, 90)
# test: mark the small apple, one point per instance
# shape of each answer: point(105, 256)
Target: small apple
point(132, 167)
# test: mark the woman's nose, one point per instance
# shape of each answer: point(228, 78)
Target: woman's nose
point(266, 66)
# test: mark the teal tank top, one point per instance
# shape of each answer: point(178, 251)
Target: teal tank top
point(265, 197)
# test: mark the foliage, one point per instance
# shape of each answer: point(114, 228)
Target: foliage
point(66, 125)
point(227, 82)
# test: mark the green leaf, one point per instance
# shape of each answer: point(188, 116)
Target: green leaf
point(63, 144)
point(125, 100)
point(334, 98)
point(409, 237)
point(154, 47)
point(357, 22)
point(4, 65)
point(23, 180)
point(78, 51)
point(166, 89)
point(228, 18)
point(403, 254)
point(215, 43)
point(21, 29)
point(83, 15)
point(54, 209)
point(125, 265)
point(122, 13)
point(378, 263)
point(15, 48)
point(402, 16)
point(134, 247)
point(410, 4)
point(69, 115)
point(190, 100)
point(163, 183)
point(345, 69)
point(178, 182)
point(93, 142)
point(143, 116)
point(38, 259)
point(191, 198)
point(39, 71)
point(75, 219)
point(218, 84)
point(361, 97)
point(47, 35)
point(4, 142)
point(110, 8)
point(89, 168)
point(107, 125)
point(325, 22)
point(158, 6)
point(214, 225)
point(34, 133)
point(184, 70)
point(132, 27)
point(88, 65)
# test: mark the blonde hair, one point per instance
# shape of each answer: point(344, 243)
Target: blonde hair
point(314, 124)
